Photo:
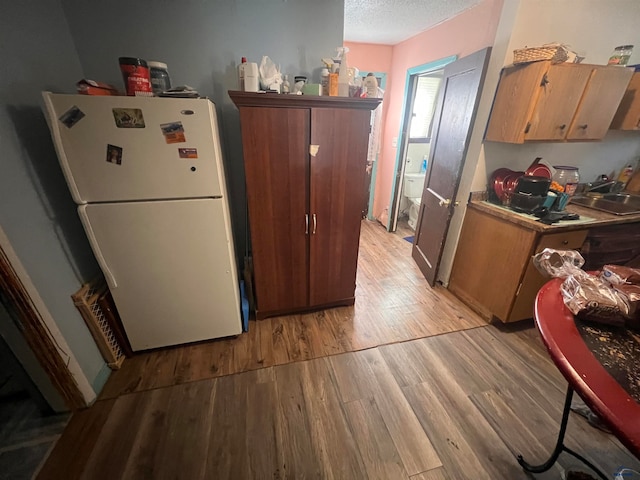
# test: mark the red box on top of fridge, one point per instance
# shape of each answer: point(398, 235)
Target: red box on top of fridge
point(91, 87)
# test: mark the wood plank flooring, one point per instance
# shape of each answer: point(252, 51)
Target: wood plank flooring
point(408, 384)
point(394, 303)
point(443, 407)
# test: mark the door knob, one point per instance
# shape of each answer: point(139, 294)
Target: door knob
point(445, 202)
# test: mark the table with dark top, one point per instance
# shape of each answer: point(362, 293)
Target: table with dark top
point(600, 363)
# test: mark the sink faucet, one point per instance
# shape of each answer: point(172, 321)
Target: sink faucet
point(601, 187)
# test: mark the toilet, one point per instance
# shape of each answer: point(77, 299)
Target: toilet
point(412, 190)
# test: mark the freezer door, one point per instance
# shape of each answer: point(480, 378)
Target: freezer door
point(170, 268)
point(134, 148)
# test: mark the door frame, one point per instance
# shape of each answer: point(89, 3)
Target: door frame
point(374, 170)
point(41, 332)
point(403, 140)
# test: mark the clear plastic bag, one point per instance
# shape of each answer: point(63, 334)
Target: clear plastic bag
point(270, 76)
point(585, 295)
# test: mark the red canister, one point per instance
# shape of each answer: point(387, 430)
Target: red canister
point(135, 73)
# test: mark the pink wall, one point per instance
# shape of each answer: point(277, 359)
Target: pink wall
point(464, 34)
point(370, 57)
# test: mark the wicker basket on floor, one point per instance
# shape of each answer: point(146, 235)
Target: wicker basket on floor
point(554, 52)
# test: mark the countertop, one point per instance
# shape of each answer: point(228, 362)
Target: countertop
point(589, 218)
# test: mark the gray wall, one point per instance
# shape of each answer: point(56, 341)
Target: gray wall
point(202, 42)
point(36, 210)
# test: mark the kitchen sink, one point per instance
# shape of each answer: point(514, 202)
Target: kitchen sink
point(616, 203)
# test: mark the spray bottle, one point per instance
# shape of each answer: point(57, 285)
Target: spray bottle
point(343, 74)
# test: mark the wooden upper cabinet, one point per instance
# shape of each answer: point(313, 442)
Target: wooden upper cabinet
point(543, 102)
point(601, 98)
point(560, 92)
point(628, 115)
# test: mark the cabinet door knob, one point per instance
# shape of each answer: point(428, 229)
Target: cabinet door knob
point(563, 126)
point(565, 242)
point(584, 127)
point(544, 81)
point(315, 224)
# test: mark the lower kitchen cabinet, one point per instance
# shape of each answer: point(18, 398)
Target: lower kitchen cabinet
point(305, 160)
point(493, 272)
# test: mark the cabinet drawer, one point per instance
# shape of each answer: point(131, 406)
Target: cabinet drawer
point(562, 241)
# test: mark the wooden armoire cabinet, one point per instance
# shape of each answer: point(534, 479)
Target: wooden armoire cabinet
point(304, 160)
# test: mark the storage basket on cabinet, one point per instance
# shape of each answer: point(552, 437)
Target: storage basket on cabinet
point(555, 53)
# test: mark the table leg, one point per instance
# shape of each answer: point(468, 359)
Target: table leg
point(560, 447)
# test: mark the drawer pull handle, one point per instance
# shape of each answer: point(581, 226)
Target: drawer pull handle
point(583, 127)
point(563, 126)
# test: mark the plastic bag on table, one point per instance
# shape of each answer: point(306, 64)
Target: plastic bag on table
point(586, 296)
point(558, 263)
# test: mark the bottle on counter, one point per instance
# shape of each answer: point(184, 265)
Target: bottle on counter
point(625, 175)
point(286, 86)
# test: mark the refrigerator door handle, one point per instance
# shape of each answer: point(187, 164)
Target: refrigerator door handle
point(108, 275)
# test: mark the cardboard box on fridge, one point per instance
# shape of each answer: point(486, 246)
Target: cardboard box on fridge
point(91, 87)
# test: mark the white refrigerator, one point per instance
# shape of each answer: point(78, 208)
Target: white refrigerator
point(148, 178)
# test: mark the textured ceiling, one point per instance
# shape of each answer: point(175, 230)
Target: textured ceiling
point(391, 21)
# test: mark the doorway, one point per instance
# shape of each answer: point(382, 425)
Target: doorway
point(421, 92)
point(377, 121)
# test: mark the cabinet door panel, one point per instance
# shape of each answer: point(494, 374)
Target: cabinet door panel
point(599, 103)
point(514, 102)
point(337, 195)
point(628, 115)
point(532, 281)
point(276, 152)
point(490, 261)
point(560, 94)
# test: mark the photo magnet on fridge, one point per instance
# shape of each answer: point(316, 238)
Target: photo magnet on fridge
point(173, 132)
point(188, 152)
point(114, 154)
point(71, 116)
point(128, 117)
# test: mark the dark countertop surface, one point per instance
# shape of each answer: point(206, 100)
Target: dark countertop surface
point(589, 218)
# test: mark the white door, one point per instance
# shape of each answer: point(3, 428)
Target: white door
point(135, 148)
point(170, 268)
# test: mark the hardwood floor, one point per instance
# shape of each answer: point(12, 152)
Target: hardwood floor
point(394, 303)
point(405, 385)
